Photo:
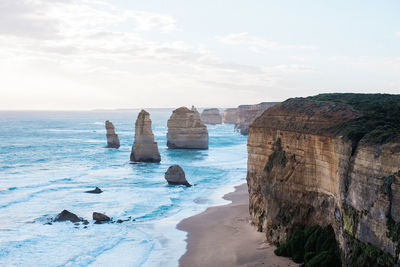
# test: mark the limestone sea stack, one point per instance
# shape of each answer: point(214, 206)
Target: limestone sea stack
point(229, 115)
point(211, 116)
point(186, 130)
point(317, 161)
point(246, 114)
point(112, 137)
point(144, 148)
point(176, 176)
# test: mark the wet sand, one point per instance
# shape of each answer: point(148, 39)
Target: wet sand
point(223, 236)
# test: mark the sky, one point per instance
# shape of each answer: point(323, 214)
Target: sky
point(99, 54)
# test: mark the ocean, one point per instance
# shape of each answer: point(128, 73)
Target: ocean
point(48, 160)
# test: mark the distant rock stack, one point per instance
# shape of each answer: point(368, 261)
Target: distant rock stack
point(211, 116)
point(144, 148)
point(186, 130)
point(246, 114)
point(112, 138)
point(229, 115)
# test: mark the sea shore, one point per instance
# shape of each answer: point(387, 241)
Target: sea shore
point(223, 236)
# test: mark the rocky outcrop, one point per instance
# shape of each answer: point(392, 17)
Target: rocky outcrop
point(211, 116)
point(65, 215)
point(112, 137)
point(144, 148)
point(100, 217)
point(186, 130)
point(176, 176)
point(246, 114)
point(95, 191)
point(303, 171)
point(229, 115)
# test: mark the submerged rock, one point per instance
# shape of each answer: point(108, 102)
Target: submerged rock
point(112, 137)
point(229, 115)
point(100, 217)
point(211, 116)
point(144, 148)
point(95, 191)
point(186, 130)
point(176, 176)
point(65, 215)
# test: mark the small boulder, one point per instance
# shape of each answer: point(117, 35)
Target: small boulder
point(65, 215)
point(94, 191)
point(99, 217)
point(176, 176)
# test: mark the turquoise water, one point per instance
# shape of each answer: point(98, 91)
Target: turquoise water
point(48, 160)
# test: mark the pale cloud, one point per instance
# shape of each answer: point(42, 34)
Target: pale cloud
point(257, 44)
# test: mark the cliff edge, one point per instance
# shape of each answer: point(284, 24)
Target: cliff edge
point(332, 159)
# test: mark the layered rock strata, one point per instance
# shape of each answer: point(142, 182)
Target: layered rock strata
point(144, 148)
point(246, 114)
point(112, 137)
point(186, 130)
point(176, 176)
point(229, 116)
point(302, 173)
point(211, 116)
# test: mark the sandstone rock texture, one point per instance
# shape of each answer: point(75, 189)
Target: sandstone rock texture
point(246, 114)
point(144, 148)
point(176, 176)
point(186, 130)
point(302, 173)
point(211, 116)
point(229, 115)
point(112, 138)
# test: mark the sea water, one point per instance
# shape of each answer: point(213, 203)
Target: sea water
point(48, 160)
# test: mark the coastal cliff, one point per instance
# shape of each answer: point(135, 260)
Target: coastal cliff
point(246, 114)
point(325, 161)
point(229, 115)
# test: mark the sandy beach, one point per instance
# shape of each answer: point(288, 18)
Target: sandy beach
point(223, 236)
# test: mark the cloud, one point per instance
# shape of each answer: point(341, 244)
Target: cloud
point(257, 44)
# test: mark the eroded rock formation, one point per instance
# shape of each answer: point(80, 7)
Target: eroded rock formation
point(112, 137)
point(303, 170)
point(186, 130)
point(144, 148)
point(246, 114)
point(176, 176)
point(229, 115)
point(211, 116)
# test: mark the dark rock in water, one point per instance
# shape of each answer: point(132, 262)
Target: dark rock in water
point(120, 221)
point(99, 217)
point(65, 215)
point(95, 191)
point(85, 222)
point(176, 176)
point(97, 222)
point(48, 223)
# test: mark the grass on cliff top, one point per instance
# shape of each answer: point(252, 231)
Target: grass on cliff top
point(379, 122)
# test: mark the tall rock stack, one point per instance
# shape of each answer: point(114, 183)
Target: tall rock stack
point(211, 116)
point(186, 130)
point(144, 148)
point(229, 115)
point(112, 137)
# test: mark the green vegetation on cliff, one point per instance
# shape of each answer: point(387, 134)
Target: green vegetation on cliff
point(314, 246)
point(379, 120)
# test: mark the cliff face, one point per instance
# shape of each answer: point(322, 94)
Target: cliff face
point(301, 173)
point(186, 130)
point(211, 116)
point(246, 114)
point(229, 115)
